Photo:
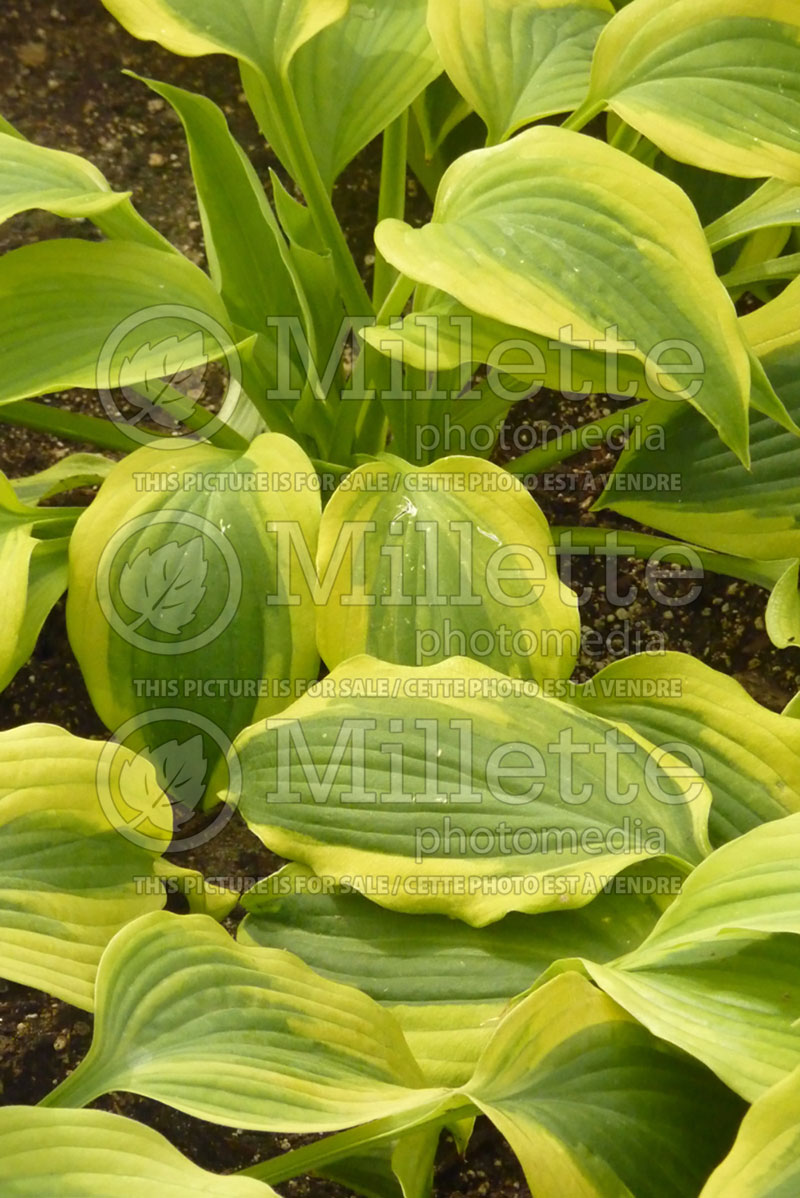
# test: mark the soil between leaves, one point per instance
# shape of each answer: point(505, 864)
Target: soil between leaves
point(62, 87)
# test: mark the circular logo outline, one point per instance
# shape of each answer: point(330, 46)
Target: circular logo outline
point(116, 741)
point(175, 516)
point(200, 320)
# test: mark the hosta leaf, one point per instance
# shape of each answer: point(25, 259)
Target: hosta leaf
point(713, 83)
point(383, 776)
point(161, 581)
point(242, 1036)
point(749, 756)
point(455, 558)
point(347, 76)
point(773, 205)
point(33, 572)
point(68, 880)
point(765, 1160)
point(596, 1107)
point(68, 474)
point(752, 513)
point(447, 984)
point(94, 1154)
point(725, 956)
point(243, 244)
point(518, 62)
point(36, 177)
point(358, 75)
point(117, 281)
point(569, 238)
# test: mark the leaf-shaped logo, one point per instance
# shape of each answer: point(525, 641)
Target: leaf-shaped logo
point(165, 587)
point(150, 378)
point(181, 769)
point(140, 791)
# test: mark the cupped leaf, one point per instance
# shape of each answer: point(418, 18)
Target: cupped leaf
point(242, 1036)
point(569, 238)
point(177, 608)
point(713, 83)
point(453, 559)
point(773, 205)
point(518, 62)
point(725, 956)
point(447, 984)
point(765, 1160)
point(712, 500)
point(94, 1154)
point(35, 574)
point(748, 755)
point(133, 299)
point(596, 1107)
point(454, 789)
point(36, 177)
point(68, 880)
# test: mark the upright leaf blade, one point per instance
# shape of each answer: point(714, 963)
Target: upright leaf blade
point(347, 792)
point(765, 1160)
point(566, 237)
point(242, 1036)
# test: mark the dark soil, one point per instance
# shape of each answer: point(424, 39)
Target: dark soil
point(62, 87)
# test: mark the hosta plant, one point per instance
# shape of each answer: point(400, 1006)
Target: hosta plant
point(314, 592)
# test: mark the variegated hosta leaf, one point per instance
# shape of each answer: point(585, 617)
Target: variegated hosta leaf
point(773, 205)
point(566, 237)
point(455, 558)
point(243, 1036)
point(177, 609)
point(446, 984)
point(517, 62)
point(134, 301)
point(94, 1154)
point(719, 976)
point(454, 789)
point(358, 75)
point(36, 177)
point(68, 880)
point(244, 247)
point(748, 755)
point(765, 1160)
point(752, 513)
point(594, 1106)
point(711, 82)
